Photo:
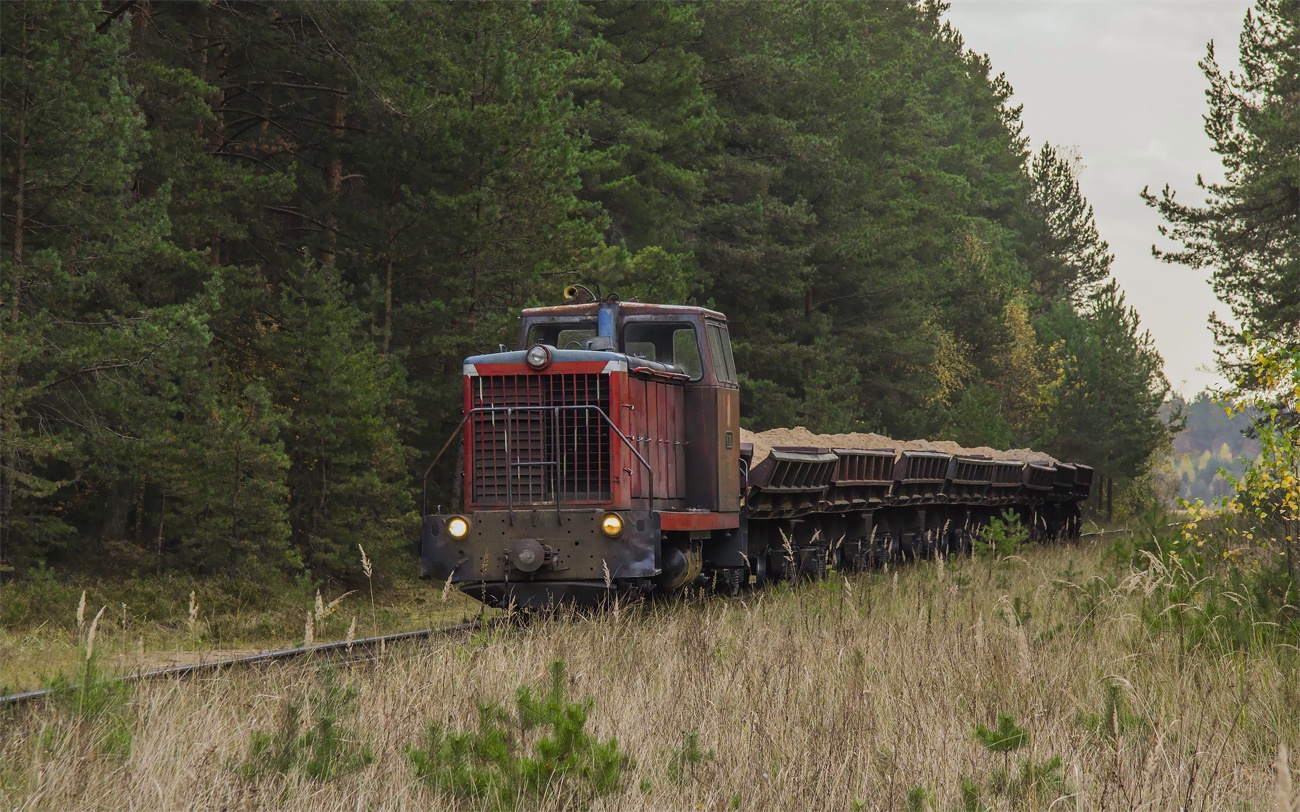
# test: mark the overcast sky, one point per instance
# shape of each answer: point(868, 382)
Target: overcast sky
point(1118, 80)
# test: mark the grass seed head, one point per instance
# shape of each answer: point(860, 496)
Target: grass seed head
point(365, 562)
point(90, 636)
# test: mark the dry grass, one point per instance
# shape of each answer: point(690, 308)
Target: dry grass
point(842, 695)
point(154, 622)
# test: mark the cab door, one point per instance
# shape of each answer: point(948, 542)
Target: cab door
point(725, 402)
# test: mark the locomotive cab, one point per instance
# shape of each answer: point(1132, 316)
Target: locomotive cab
point(602, 454)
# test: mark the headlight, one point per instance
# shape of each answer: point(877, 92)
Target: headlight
point(457, 527)
point(611, 525)
point(538, 357)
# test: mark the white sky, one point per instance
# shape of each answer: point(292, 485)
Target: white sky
point(1118, 80)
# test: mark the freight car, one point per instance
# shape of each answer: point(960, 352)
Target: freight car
point(606, 454)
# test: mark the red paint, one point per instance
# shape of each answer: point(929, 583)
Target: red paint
point(669, 520)
point(556, 368)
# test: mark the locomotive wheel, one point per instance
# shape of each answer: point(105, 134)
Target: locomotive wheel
point(758, 567)
point(727, 580)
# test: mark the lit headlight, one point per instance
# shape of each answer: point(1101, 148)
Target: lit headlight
point(538, 357)
point(457, 527)
point(611, 525)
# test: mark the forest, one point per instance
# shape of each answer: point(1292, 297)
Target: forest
point(1214, 444)
point(247, 244)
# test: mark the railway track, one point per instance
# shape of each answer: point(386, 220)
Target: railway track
point(359, 650)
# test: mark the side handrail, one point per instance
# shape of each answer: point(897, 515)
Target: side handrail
point(510, 410)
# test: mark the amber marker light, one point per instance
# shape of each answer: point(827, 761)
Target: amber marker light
point(612, 525)
point(457, 527)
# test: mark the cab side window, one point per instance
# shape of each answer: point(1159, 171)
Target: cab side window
point(724, 366)
point(667, 343)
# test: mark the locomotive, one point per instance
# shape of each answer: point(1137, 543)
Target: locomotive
point(606, 455)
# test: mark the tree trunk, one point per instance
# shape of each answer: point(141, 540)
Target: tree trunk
point(20, 189)
point(1110, 499)
point(388, 294)
point(334, 174)
point(8, 415)
point(217, 135)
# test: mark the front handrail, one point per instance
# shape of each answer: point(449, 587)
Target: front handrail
point(509, 411)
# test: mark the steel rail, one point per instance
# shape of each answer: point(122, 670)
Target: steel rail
point(193, 669)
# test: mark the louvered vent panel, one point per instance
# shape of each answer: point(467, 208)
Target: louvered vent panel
point(537, 455)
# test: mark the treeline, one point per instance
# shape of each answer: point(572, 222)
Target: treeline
point(245, 246)
point(1215, 437)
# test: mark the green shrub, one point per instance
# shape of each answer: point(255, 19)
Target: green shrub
point(321, 750)
point(99, 704)
point(920, 799)
point(684, 761)
point(1115, 719)
point(1031, 783)
point(493, 766)
point(1001, 537)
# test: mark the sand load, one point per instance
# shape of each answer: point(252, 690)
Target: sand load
point(765, 441)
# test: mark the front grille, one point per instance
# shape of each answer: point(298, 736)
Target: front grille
point(537, 454)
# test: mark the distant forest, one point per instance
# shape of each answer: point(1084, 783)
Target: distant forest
point(246, 244)
point(1211, 440)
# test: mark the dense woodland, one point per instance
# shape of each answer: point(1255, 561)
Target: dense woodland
point(245, 246)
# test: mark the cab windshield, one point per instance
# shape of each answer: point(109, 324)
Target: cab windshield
point(565, 335)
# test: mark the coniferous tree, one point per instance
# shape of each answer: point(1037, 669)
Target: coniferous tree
point(237, 295)
point(1068, 258)
point(1107, 401)
point(1248, 231)
point(85, 353)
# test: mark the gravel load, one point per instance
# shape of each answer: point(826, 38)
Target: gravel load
point(765, 441)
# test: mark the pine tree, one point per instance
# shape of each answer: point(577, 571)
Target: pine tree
point(346, 465)
point(1248, 231)
point(84, 354)
point(1068, 258)
point(1107, 402)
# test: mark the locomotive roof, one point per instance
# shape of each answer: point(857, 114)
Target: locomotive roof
point(625, 308)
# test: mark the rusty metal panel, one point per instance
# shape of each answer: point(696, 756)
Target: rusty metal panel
point(920, 476)
point(1082, 482)
point(677, 431)
point(701, 410)
point(650, 439)
point(969, 479)
point(654, 420)
point(728, 449)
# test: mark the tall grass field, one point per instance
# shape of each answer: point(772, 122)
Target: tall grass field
point(1047, 679)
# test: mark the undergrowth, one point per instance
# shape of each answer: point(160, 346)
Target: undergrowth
point(320, 748)
point(541, 748)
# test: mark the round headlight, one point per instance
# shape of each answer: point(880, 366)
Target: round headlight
point(457, 527)
point(538, 357)
point(611, 525)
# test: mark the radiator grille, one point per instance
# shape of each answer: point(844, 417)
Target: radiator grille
point(540, 455)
